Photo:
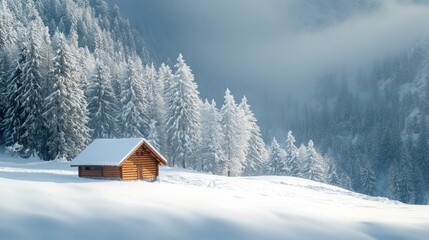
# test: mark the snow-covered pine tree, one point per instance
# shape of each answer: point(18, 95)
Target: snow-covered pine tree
point(13, 118)
point(401, 185)
point(12, 59)
point(32, 91)
point(153, 136)
point(394, 188)
point(165, 76)
point(131, 118)
point(8, 30)
point(301, 153)
point(66, 105)
point(243, 127)
point(418, 185)
point(234, 147)
point(256, 153)
point(368, 180)
point(345, 181)
point(292, 156)
point(8, 39)
point(211, 152)
point(182, 116)
point(156, 105)
point(422, 152)
point(407, 189)
point(151, 77)
point(312, 164)
point(86, 63)
point(333, 178)
point(276, 161)
point(118, 71)
point(102, 105)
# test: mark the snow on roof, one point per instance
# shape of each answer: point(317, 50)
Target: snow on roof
point(111, 152)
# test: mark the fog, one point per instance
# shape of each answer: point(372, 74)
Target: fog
point(274, 50)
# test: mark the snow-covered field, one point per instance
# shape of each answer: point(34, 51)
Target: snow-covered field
point(46, 200)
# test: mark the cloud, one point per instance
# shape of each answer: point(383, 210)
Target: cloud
point(353, 44)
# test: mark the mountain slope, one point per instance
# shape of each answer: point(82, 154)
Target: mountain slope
point(46, 200)
point(377, 121)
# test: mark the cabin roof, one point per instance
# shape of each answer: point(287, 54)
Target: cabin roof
point(112, 152)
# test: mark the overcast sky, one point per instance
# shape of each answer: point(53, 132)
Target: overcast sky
point(274, 50)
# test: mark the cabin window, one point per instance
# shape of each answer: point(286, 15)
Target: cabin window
point(97, 168)
point(139, 153)
point(87, 168)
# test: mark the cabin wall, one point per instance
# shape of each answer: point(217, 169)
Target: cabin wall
point(140, 165)
point(90, 171)
point(111, 172)
point(99, 171)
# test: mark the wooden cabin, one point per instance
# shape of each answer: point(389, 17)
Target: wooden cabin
point(125, 159)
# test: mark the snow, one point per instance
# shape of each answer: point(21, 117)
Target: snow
point(47, 200)
point(110, 152)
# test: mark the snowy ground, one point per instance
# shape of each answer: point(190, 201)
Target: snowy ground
point(46, 200)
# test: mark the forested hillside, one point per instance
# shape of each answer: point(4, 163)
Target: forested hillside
point(375, 125)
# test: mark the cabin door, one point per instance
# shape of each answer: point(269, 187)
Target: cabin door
point(140, 171)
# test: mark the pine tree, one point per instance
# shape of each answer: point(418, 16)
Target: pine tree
point(402, 177)
point(153, 92)
point(8, 30)
point(32, 92)
point(12, 60)
point(345, 181)
point(118, 73)
point(313, 167)
point(153, 136)
point(132, 118)
point(256, 153)
point(406, 179)
point(276, 162)
point(211, 152)
point(394, 188)
point(102, 105)
point(418, 185)
point(86, 64)
point(422, 151)
point(165, 76)
point(292, 156)
point(8, 38)
point(46, 66)
point(66, 106)
point(333, 177)
point(13, 118)
point(155, 96)
point(235, 151)
point(182, 117)
point(368, 180)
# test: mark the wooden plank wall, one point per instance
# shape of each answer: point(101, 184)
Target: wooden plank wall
point(105, 171)
point(147, 161)
point(88, 173)
point(111, 172)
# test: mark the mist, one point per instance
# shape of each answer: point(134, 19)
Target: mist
point(274, 51)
